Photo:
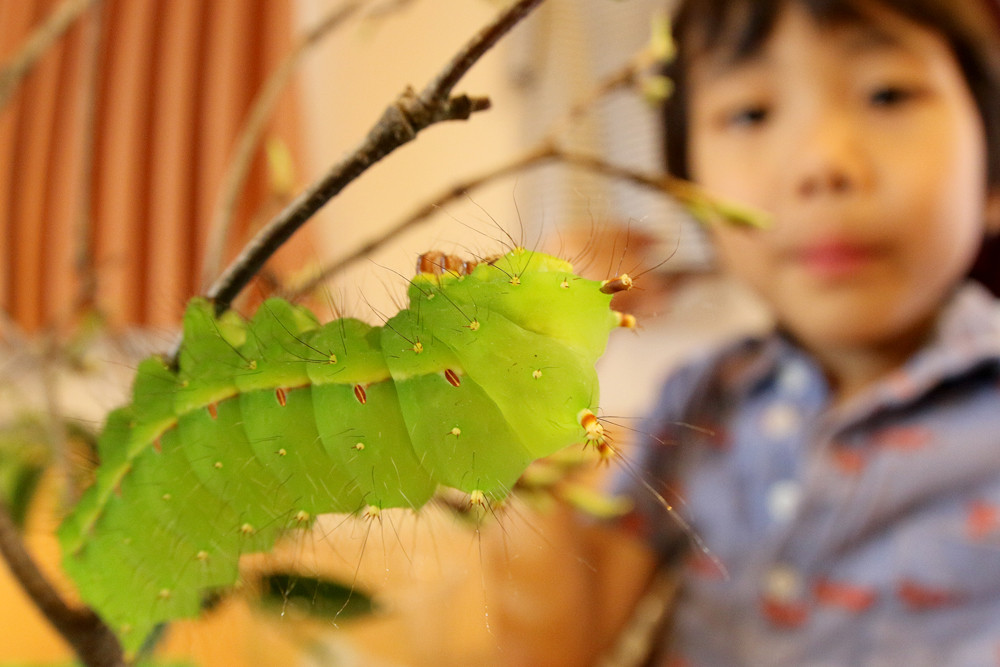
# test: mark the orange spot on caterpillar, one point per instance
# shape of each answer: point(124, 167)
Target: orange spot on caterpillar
point(621, 283)
point(605, 451)
point(588, 420)
point(157, 445)
point(595, 435)
point(359, 393)
point(452, 377)
point(282, 396)
point(213, 410)
point(625, 321)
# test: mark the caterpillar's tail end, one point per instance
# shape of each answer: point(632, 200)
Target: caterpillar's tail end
point(621, 283)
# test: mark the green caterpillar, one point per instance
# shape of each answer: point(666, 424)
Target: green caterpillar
point(267, 423)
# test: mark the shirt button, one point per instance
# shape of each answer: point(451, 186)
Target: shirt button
point(783, 500)
point(779, 420)
point(794, 378)
point(783, 583)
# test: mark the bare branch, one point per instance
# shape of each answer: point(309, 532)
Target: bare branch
point(84, 255)
point(37, 45)
point(93, 641)
point(438, 90)
point(399, 124)
point(704, 206)
point(624, 77)
point(701, 204)
point(253, 128)
point(536, 156)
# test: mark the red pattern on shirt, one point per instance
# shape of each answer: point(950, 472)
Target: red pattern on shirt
point(982, 520)
point(851, 597)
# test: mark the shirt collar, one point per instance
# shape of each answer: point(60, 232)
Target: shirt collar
point(967, 337)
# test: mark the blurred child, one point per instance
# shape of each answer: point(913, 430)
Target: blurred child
point(842, 474)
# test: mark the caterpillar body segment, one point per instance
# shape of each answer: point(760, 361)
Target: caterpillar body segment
point(266, 423)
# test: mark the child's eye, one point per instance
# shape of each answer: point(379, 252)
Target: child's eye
point(747, 116)
point(886, 96)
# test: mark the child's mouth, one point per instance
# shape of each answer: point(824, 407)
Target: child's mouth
point(835, 259)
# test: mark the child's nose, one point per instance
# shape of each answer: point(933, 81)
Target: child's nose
point(828, 157)
point(831, 180)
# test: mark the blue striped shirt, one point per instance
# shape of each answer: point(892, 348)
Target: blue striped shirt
point(866, 533)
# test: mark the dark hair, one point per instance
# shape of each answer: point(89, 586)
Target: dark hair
point(743, 26)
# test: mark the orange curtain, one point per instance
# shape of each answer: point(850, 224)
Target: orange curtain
point(172, 82)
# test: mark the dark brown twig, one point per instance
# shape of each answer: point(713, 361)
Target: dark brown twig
point(37, 45)
point(399, 124)
point(94, 643)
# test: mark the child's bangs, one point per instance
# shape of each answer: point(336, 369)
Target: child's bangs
point(738, 29)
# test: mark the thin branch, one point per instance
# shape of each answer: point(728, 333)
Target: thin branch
point(701, 204)
point(249, 138)
point(536, 156)
point(94, 642)
point(86, 268)
point(386, 8)
point(399, 124)
point(438, 90)
point(37, 45)
point(624, 77)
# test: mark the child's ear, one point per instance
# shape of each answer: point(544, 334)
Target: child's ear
point(992, 213)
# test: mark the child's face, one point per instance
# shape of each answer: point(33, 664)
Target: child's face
point(867, 149)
